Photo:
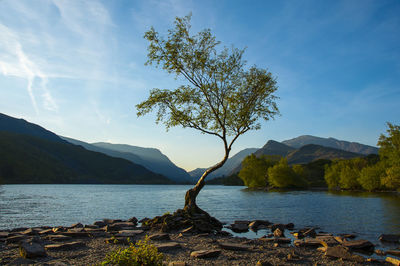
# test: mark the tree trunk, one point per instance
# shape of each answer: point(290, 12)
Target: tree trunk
point(191, 194)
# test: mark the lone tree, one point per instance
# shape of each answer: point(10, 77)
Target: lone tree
point(221, 97)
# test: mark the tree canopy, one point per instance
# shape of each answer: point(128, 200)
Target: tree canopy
point(221, 96)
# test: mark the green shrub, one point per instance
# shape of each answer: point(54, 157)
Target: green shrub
point(141, 253)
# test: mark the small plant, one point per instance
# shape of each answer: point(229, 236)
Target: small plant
point(141, 253)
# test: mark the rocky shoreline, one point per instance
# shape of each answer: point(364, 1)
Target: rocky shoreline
point(81, 244)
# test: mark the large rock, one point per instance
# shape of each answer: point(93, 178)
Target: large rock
point(359, 244)
point(341, 252)
point(308, 242)
point(31, 249)
point(255, 225)
point(240, 226)
point(389, 238)
point(211, 253)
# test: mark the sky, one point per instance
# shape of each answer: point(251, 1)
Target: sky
point(77, 68)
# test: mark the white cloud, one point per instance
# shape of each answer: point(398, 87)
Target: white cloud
point(15, 62)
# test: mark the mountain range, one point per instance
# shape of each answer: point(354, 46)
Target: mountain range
point(314, 148)
point(150, 158)
point(332, 143)
point(31, 154)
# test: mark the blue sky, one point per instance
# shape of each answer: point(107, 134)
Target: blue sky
point(77, 68)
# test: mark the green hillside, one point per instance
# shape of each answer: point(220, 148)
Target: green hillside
point(27, 159)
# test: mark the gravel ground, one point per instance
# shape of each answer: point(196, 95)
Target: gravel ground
point(258, 251)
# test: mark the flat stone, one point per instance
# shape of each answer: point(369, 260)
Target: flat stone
point(358, 244)
point(160, 236)
point(29, 231)
point(341, 252)
point(129, 233)
point(65, 246)
point(31, 249)
point(234, 246)
point(394, 252)
point(45, 232)
point(15, 239)
point(389, 238)
point(120, 226)
point(212, 253)
point(239, 227)
point(59, 238)
point(393, 261)
point(308, 242)
point(167, 246)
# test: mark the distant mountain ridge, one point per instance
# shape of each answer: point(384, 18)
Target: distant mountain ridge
point(311, 152)
point(151, 158)
point(21, 126)
point(332, 143)
point(302, 155)
point(32, 154)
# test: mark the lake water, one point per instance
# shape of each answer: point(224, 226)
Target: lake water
point(365, 214)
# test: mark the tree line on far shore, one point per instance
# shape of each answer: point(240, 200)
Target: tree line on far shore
point(369, 173)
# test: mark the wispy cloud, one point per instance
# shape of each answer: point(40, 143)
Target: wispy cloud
point(15, 62)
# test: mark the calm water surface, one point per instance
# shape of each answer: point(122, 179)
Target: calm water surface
point(365, 214)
